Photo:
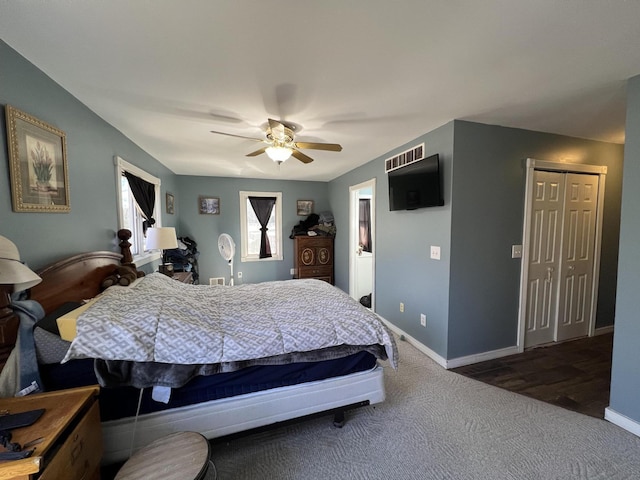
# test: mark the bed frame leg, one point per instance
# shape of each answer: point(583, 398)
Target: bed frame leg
point(338, 419)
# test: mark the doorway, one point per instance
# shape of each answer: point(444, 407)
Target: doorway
point(362, 241)
point(561, 252)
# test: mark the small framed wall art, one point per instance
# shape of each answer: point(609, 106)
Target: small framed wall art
point(170, 203)
point(305, 207)
point(209, 205)
point(37, 164)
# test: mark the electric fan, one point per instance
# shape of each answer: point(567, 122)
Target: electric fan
point(227, 249)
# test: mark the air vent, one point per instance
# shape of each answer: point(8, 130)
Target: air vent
point(408, 156)
point(216, 281)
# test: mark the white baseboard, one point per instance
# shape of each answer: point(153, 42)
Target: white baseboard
point(482, 357)
point(419, 345)
point(455, 362)
point(622, 421)
point(603, 330)
point(469, 359)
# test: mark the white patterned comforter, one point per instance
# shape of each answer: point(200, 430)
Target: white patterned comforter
point(164, 321)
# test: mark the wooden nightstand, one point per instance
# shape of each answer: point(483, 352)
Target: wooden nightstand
point(70, 427)
point(184, 277)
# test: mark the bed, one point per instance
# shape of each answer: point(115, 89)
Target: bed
point(215, 405)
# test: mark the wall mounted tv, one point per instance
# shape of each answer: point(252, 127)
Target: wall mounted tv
point(416, 185)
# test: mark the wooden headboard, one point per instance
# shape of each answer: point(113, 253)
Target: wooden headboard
point(73, 279)
point(79, 277)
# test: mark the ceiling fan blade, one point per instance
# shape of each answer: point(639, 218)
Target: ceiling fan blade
point(257, 152)
point(333, 147)
point(238, 136)
point(301, 156)
point(277, 129)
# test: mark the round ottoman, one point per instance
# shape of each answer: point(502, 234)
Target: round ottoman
point(180, 456)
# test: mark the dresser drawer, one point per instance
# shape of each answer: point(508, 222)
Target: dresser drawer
point(79, 456)
point(310, 272)
point(317, 241)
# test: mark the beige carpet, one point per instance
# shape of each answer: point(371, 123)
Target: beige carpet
point(438, 425)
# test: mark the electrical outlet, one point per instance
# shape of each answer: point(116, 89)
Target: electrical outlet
point(435, 252)
point(292, 271)
point(239, 274)
point(423, 320)
point(401, 307)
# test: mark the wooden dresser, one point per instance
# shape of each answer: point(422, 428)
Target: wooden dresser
point(72, 438)
point(313, 257)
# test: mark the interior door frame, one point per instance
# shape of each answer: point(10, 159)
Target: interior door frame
point(353, 236)
point(531, 165)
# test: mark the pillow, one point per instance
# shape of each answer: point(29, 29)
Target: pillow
point(50, 348)
point(49, 323)
point(67, 322)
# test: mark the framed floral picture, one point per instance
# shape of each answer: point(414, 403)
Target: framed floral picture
point(170, 203)
point(305, 207)
point(37, 164)
point(209, 205)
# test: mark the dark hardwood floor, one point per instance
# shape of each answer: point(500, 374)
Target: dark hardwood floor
point(574, 375)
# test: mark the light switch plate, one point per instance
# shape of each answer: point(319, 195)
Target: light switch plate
point(435, 252)
point(516, 251)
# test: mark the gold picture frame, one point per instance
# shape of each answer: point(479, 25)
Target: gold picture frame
point(170, 201)
point(208, 205)
point(37, 164)
point(304, 207)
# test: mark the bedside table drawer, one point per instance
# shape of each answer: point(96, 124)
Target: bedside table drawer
point(79, 456)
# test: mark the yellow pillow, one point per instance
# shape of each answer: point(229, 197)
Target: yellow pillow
point(67, 322)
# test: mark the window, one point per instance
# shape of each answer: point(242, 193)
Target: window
point(129, 213)
point(250, 227)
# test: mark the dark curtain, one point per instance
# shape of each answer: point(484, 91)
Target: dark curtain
point(145, 195)
point(263, 206)
point(365, 224)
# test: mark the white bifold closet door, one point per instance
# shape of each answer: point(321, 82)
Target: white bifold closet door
point(561, 259)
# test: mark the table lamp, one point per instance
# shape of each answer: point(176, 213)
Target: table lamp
point(14, 277)
point(162, 238)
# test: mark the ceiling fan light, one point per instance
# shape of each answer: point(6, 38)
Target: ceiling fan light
point(278, 154)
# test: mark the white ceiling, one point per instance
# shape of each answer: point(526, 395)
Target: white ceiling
point(368, 74)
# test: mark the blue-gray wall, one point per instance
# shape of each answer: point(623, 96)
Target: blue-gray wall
point(487, 217)
point(471, 295)
point(404, 270)
point(91, 145)
point(625, 380)
point(205, 229)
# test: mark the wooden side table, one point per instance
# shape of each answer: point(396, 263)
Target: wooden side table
point(184, 277)
point(72, 437)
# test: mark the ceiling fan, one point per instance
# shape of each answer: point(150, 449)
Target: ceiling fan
point(281, 144)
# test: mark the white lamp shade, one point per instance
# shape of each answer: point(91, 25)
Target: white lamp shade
point(12, 270)
point(161, 238)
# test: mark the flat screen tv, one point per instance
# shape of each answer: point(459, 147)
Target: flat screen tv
point(416, 185)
